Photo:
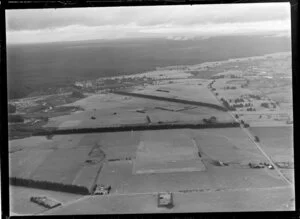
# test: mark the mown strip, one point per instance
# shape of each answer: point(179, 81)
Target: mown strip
point(196, 103)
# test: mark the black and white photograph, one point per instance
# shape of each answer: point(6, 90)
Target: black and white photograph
point(150, 109)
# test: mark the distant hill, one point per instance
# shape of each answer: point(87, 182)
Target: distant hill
point(39, 66)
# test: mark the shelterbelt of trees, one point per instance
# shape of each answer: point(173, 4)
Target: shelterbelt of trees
point(47, 185)
point(136, 127)
point(196, 103)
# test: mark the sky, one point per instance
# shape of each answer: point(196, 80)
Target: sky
point(178, 22)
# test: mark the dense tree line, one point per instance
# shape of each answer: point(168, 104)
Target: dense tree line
point(136, 127)
point(196, 103)
point(47, 185)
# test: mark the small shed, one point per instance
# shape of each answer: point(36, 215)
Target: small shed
point(165, 200)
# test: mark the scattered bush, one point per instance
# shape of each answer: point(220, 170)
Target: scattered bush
point(246, 125)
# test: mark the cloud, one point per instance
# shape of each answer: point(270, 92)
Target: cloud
point(121, 22)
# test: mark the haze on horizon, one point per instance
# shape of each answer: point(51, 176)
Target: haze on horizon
point(172, 22)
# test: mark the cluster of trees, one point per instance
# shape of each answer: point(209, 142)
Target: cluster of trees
point(246, 125)
point(211, 120)
point(257, 97)
point(218, 76)
point(239, 100)
point(266, 105)
point(118, 159)
point(211, 83)
point(226, 104)
point(228, 88)
point(245, 85)
point(49, 185)
point(237, 105)
point(77, 94)
point(240, 105)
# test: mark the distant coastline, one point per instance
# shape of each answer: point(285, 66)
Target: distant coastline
point(48, 67)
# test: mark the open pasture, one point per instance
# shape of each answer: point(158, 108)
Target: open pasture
point(114, 113)
point(62, 161)
point(215, 147)
point(235, 148)
point(115, 145)
point(195, 115)
point(276, 141)
point(28, 143)
point(23, 164)
point(277, 199)
point(161, 153)
point(62, 165)
point(193, 90)
point(20, 199)
point(119, 176)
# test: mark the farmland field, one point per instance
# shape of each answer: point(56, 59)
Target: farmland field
point(221, 201)
point(115, 110)
point(194, 90)
point(20, 199)
point(235, 148)
point(206, 169)
point(23, 164)
point(276, 141)
point(28, 143)
point(65, 163)
point(161, 153)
